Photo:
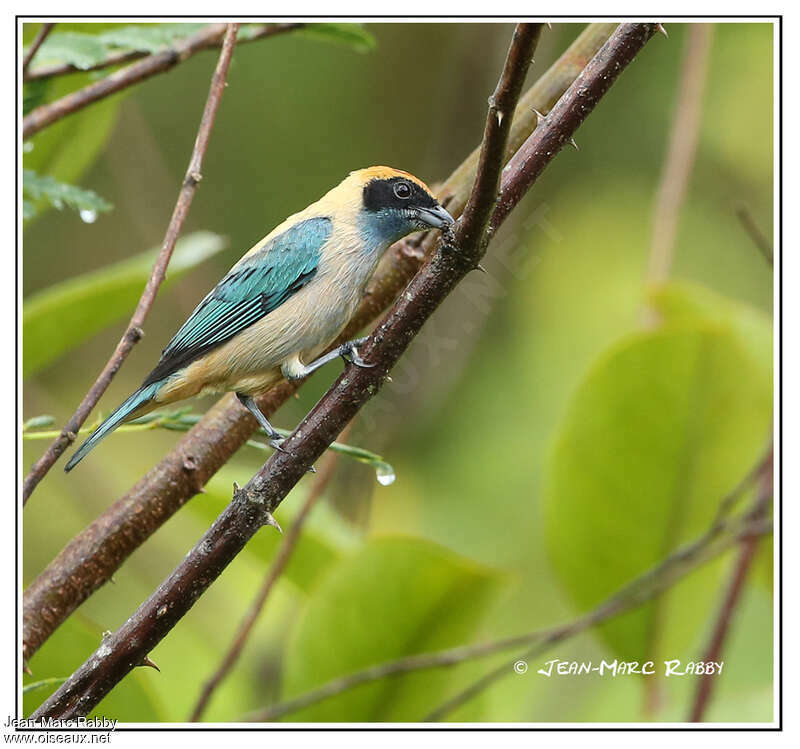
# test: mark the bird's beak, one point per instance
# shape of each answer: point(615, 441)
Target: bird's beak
point(437, 217)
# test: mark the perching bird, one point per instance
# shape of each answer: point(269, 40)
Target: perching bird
point(287, 299)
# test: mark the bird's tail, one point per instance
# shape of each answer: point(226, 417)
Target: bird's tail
point(142, 397)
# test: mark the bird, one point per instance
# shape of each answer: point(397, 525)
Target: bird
point(286, 300)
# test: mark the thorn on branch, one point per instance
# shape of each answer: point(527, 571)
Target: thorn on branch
point(146, 661)
point(270, 520)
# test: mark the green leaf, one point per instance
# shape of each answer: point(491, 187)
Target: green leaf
point(396, 597)
point(148, 38)
point(34, 685)
point(81, 50)
point(65, 149)
point(664, 425)
point(58, 194)
point(353, 35)
point(679, 302)
point(65, 315)
point(324, 540)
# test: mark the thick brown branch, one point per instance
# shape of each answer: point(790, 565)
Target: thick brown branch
point(41, 35)
point(92, 557)
point(252, 506)
point(134, 331)
point(556, 130)
point(647, 586)
point(282, 558)
point(120, 58)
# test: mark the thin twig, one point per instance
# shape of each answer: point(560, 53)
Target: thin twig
point(748, 548)
point(41, 35)
point(680, 157)
point(252, 506)
point(282, 558)
point(96, 553)
point(648, 585)
point(120, 58)
point(760, 240)
point(133, 332)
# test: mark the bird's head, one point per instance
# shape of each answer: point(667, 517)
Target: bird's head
point(394, 203)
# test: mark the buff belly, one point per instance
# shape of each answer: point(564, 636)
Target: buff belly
point(251, 362)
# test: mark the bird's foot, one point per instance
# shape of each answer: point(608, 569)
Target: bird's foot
point(349, 352)
point(276, 442)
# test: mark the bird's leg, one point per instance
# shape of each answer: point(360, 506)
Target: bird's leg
point(294, 369)
point(275, 438)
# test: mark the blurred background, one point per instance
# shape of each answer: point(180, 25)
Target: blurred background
point(549, 444)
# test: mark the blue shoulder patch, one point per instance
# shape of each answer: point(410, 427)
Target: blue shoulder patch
point(249, 291)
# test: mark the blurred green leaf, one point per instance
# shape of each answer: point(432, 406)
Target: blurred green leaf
point(353, 35)
point(148, 38)
point(664, 425)
point(43, 189)
point(81, 50)
point(59, 318)
point(132, 700)
point(396, 597)
point(680, 302)
point(324, 540)
point(93, 44)
point(34, 685)
point(65, 149)
point(39, 422)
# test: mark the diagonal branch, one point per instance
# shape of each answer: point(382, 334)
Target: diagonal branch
point(92, 557)
point(645, 587)
point(41, 35)
point(134, 331)
point(252, 506)
point(282, 558)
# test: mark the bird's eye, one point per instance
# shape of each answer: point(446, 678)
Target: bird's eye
point(402, 190)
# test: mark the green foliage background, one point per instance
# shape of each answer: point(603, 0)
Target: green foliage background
point(548, 446)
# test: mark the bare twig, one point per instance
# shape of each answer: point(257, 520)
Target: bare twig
point(41, 35)
point(92, 557)
point(760, 240)
point(252, 506)
point(680, 157)
point(120, 58)
point(748, 548)
point(133, 332)
point(645, 587)
point(282, 558)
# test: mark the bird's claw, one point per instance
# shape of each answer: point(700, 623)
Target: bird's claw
point(350, 354)
point(276, 443)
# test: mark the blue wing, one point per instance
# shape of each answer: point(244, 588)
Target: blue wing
point(252, 289)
